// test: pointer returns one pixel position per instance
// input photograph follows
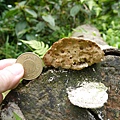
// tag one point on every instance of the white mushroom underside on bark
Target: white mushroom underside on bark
(88, 95)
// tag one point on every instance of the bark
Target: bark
(45, 98)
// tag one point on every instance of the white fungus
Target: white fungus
(88, 95)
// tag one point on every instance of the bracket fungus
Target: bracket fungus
(77, 53)
(88, 95)
(73, 53)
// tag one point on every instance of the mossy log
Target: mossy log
(45, 98)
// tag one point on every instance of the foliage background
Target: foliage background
(34, 25)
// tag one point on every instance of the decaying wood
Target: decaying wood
(89, 32)
(112, 51)
(45, 98)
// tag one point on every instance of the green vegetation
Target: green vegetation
(46, 21)
(37, 47)
(17, 117)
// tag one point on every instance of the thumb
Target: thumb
(10, 76)
(1, 97)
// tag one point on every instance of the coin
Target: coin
(32, 65)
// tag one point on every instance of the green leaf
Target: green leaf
(91, 3)
(82, 1)
(16, 116)
(40, 52)
(30, 36)
(40, 47)
(54, 27)
(33, 43)
(22, 3)
(97, 10)
(74, 11)
(20, 29)
(104, 36)
(40, 26)
(49, 19)
(12, 12)
(21, 33)
(31, 12)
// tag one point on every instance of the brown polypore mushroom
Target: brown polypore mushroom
(73, 53)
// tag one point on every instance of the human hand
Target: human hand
(10, 75)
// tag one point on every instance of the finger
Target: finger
(6, 62)
(10, 76)
(1, 97)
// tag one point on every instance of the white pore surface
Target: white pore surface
(88, 95)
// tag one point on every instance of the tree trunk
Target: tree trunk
(45, 98)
